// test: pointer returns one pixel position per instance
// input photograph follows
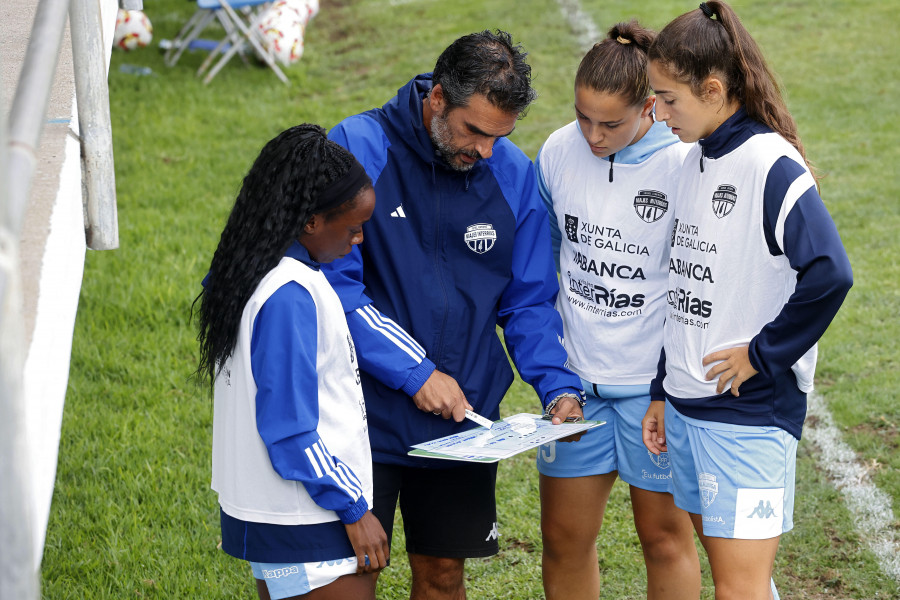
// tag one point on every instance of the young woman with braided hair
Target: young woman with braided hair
(613, 170)
(291, 458)
(758, 273)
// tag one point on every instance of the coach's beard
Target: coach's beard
(442, 140)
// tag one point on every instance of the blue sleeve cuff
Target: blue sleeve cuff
(354, 513)
(657, 391)
(418, 377)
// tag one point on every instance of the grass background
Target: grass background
(132, 513)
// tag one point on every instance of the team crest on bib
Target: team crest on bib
(650, 205)
(709, 488)
(723, 200)
(480, 237)
(572, 228)
(661, 460)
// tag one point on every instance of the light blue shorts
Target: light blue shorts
(739, 478)
(616, 446)
(285, 580)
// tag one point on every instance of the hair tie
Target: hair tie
(706, 10)
(343, 188)
(622, 40)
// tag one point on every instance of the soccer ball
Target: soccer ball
(306, 9)
(312, 7)
(281, 30)
(133, 30)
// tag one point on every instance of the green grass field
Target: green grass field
(133, 515)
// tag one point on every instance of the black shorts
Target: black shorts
(447, 513)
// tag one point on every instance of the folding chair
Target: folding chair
(188, 37)
(240, 30)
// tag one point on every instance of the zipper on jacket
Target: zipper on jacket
(439, 347)
(701, 159)
(612, 159)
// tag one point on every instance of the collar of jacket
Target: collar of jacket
(736, 130)
(298, 251)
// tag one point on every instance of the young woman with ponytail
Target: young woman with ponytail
(608, 180)
(758, 274)
(291, 458)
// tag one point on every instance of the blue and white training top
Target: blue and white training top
(756, 260)
(290, 444)
(614, 259)
(447, 257)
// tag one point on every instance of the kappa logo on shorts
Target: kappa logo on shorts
(279, 573)
(480, 237)
(709, 488)
(661, 460)
(650, 205)
(763, 511)
(324, 564)
(723, 200)
(493, 534)
(757, 513)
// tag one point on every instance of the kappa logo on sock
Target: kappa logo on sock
(493, 534)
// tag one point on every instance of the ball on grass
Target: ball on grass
(133, 30)
(281, 28)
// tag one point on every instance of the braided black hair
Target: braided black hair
(278, 196)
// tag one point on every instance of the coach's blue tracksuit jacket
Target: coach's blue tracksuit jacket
(447, 257)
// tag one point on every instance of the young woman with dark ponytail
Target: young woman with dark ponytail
(291, 458)
(758, 273)
(609, 180)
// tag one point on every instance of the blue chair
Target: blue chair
(238, 18)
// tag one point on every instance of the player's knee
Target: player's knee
(662, 546)
(567, 543)
(439, 577)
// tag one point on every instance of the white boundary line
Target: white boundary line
(582, 24)
(868, 505)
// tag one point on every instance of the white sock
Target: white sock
(775, 595)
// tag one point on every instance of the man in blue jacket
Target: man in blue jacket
(459, 243)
